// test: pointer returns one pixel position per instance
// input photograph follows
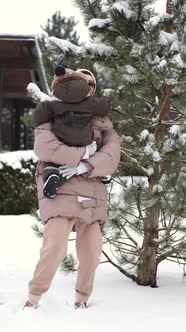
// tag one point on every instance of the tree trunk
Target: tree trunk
(147, 264)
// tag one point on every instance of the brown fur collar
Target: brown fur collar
(57, 79)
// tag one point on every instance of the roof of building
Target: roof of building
(20, 64)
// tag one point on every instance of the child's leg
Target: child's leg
(52, 179)
(49, 169)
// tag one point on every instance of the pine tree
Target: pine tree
(60, 27)
(144, 57)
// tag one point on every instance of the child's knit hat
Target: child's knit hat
(62, 72)
(86, 71)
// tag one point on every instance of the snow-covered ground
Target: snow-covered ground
(117, 304)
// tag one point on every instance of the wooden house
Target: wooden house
(20, 64)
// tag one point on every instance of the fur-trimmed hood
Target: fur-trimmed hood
(71, 87)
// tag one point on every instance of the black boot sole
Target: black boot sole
(51, 186)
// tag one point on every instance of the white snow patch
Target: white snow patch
(96, 48)
(152, 60)
(127, 139)
(155, 20)
(157, 188)
(157, 100)
(177, 60)
(174, 130)
(65, 45)
(13, 159)
(108, 307)
(148, 150)
(36, 93)
(167, 38)
(156, 156)
(150, 171)
(131, 74)
(100, 48)
(123, 7)
(144, 135)
(175, 46)
(98, 22)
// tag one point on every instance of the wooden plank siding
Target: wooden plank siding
(20, 64)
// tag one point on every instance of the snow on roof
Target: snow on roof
(17, 36)
(41, 68)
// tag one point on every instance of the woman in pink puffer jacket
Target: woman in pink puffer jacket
(81, 202)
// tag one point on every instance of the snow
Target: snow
(155, 20)
(127, 139)
(98, 22)
(156, 156)
(39, 96)
(123, 8)
(65, 45)
(167, 38)
(100, 49)
(36, 93)
(152, 60)
(171, 81)
(148, 149)
(136, 50)
(157, 188)
(175, 46)
(144, 135)
(157, 100)
(116, 303)
(13, 159)
(174, 130)
(131, 74)
(150, 171)
(42, 66)
(177, 60)
(96, 48)
(92, 1)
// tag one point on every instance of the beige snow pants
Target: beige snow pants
(53, 251)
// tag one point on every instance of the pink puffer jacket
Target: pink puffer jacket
(48, 148)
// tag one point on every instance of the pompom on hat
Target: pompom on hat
(62, 70)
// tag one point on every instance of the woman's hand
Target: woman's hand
(68, 171)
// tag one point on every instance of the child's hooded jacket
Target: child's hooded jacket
(72, 110)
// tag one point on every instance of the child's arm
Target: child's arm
(47, 147)
(101, 106)
(41, 114)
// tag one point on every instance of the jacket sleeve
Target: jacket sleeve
(101, 106)
(41, 114)
(106, 160)
(49, 149)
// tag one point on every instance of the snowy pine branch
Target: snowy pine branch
(36, 93)
(135, 163)
(88, 49)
